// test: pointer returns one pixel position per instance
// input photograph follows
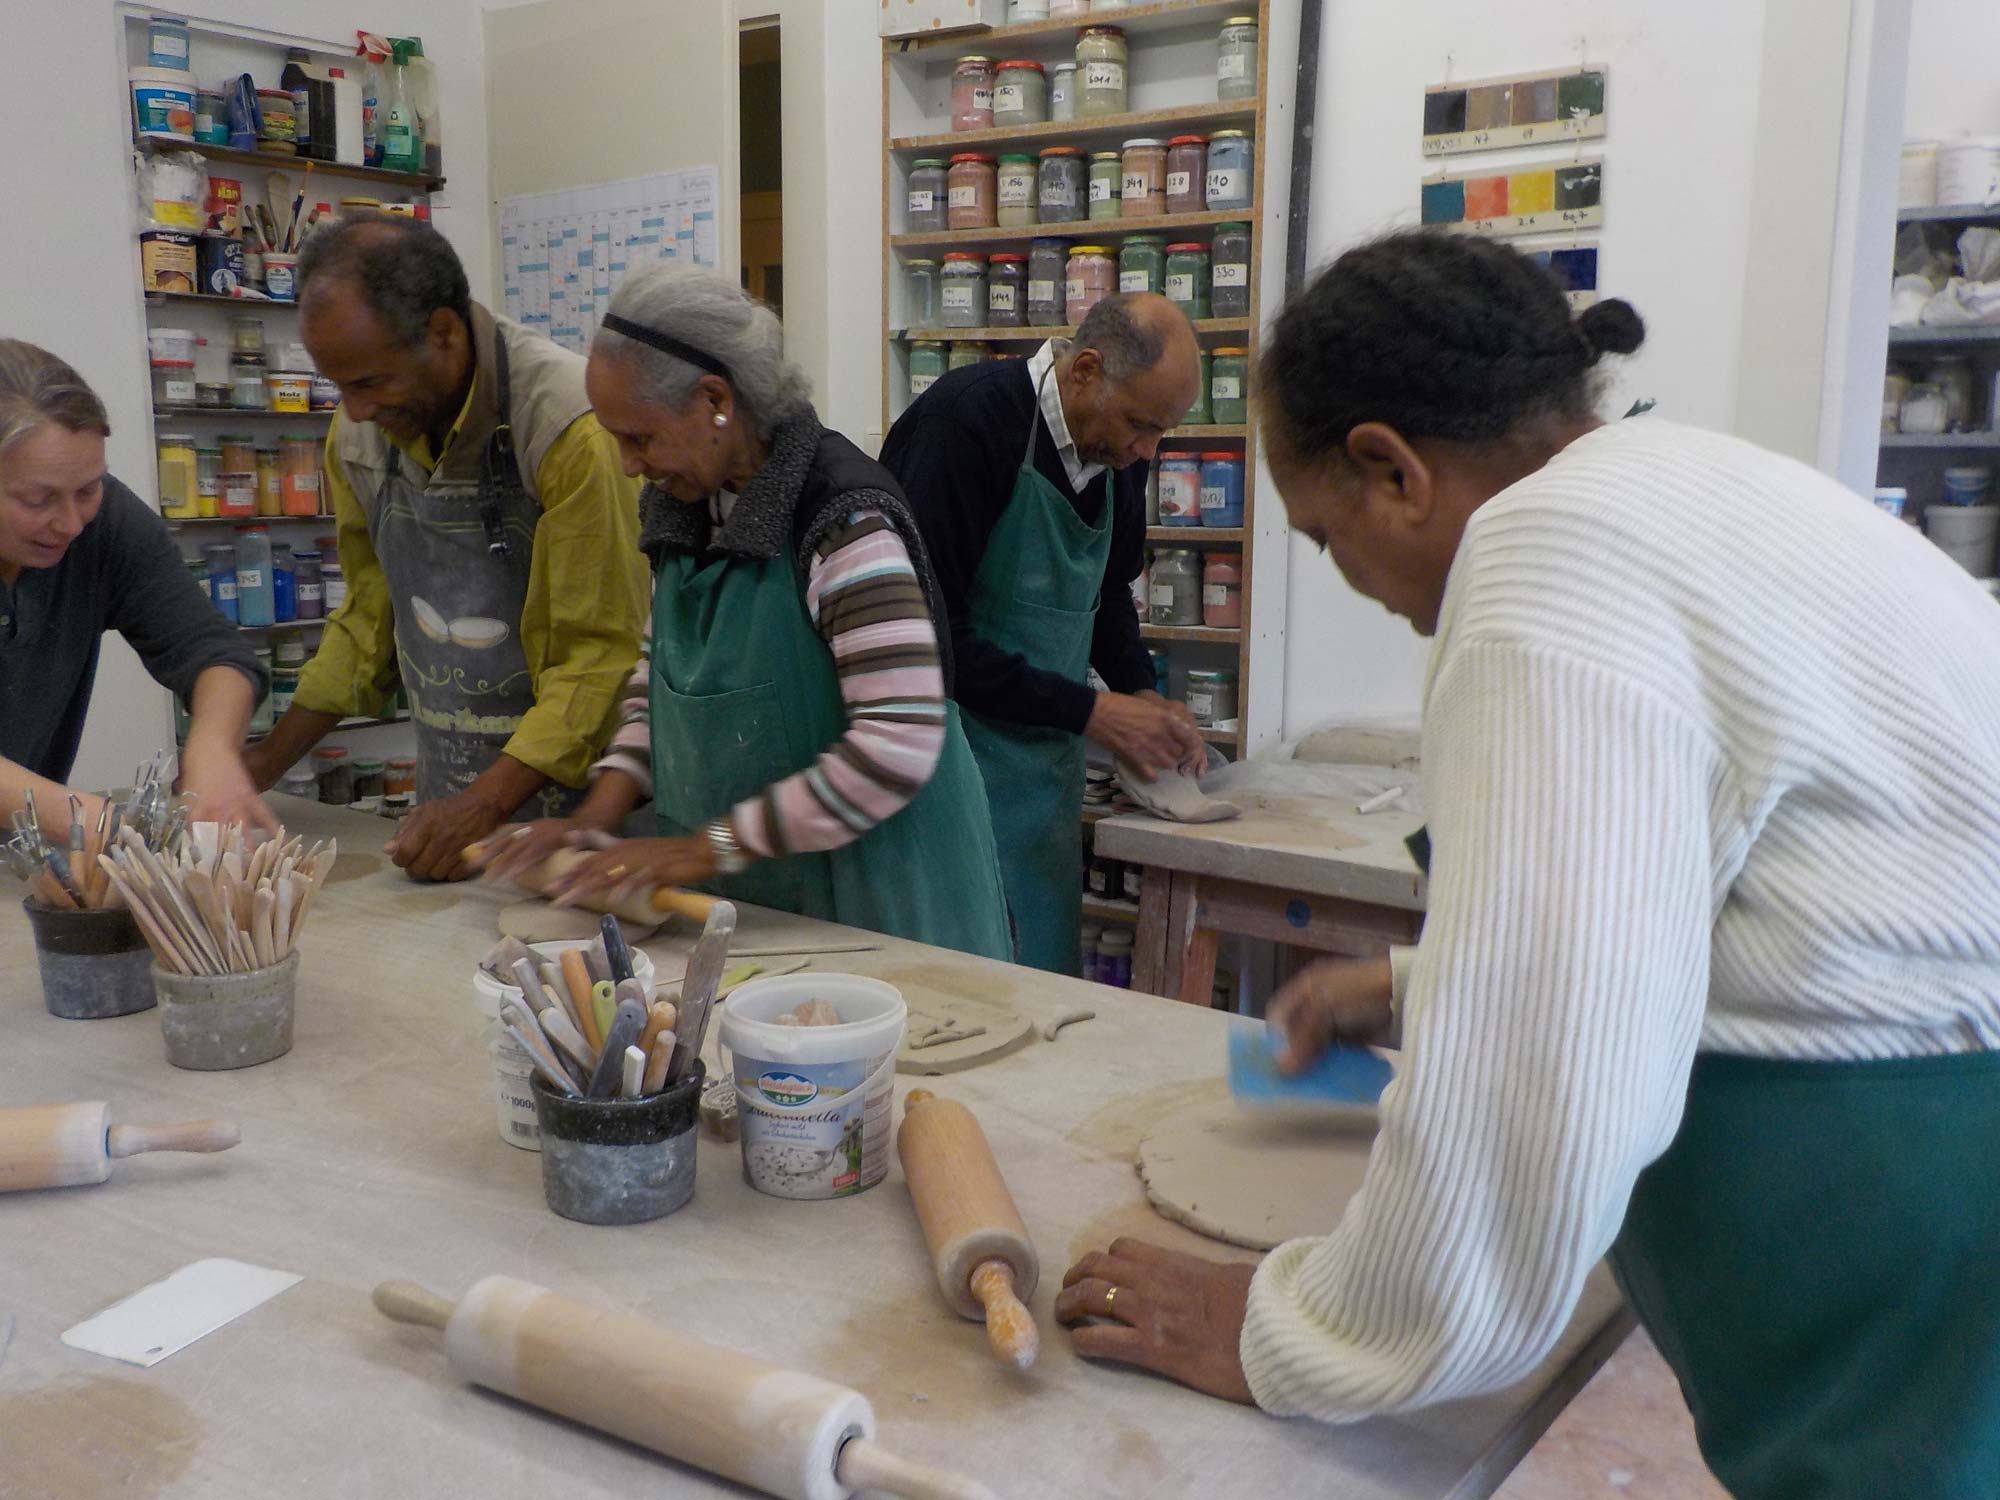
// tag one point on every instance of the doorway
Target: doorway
(760, 163)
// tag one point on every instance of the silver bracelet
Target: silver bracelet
(730, 858)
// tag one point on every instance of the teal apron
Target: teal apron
(744, 695)
(1817, 1255)
(1036, 594)
(456, 557)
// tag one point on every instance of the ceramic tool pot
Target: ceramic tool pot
(94, 963)
(619, 1161)
(214, 1022)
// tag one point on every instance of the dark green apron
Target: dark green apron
(1036, 594)
(745, 694)
(1817, 1255)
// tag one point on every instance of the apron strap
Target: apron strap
(499, 468)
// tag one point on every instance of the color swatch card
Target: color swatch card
(1527, 200)
(1530, 110)
(1574, 266)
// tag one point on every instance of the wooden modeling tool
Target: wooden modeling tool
(986, 1264)
(786, 1434)
(63, 1145)
(576, 975)
(704, 973)
(640, 908)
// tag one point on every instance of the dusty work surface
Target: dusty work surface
(371, 1152)
(1314, 845)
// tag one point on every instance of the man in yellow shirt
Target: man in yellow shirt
(488, 534)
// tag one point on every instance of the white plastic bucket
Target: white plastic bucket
(171, 345)
(513, 1103)
(814, 1101)
(163, 103)
(1968, 171)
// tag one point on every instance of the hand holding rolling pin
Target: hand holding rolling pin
(630, 865)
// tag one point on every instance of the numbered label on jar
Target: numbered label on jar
(999, 299)
(1180, 287)
(1179, 184)
(1232, 273)
(1073, 290)
(249, 578)
(1010, 97)
(1043, 292)
(1225, 388)
(1179, 495)
(958, 299)
(1136, 184)
(1214, 497)
(1163, 596)
(1132, 281)
(1104, 75)
(1226, 184)
(1017, 190)
(1201, 705)
(921, 383)
(922, 200)
(1215, 595)
(982, 99)
(965, 195)
(1100, 190)
(1233, 65)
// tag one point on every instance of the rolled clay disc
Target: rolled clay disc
(1254, 1180)
(539, 922)
(1005, 1029)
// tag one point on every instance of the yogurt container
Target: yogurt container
(814, 1101)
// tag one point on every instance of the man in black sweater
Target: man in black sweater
(1028, 479)
(81, 554)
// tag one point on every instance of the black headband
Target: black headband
(666, 344)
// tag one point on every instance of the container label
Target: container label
(958, 299)
(1179, 495)
(336, 594)
(962, 195)
(178, 392)
(1136, 184)
(306, 483)
(1201, 705)
(309, 593)
(1214, 497)
(814, 1130)
(1227, 184)
(224, 587)
(1179, 184)
(1073, 290)
(1225, 388)
(1058, 97)
(1104, 75)
(1001, 299)
(921, 383)
(1132, 281)
(1180, 287)
(921, 200)
(1215, 595)
(1163, 596)
(982, 98)
(1232, 65)
(1010, 97)
(1042, 292)
(1058, 193)
(1017, 189)
(249, 578)
(1100, 190)
(1232, 273)
(169, 44)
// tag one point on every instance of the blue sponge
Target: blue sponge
(1344, 1077)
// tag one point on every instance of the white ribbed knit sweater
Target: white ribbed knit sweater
(1712, 759)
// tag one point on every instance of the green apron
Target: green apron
(1036, 594)
(1817, 1255)
(745, 694)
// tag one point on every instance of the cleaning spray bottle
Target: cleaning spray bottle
(402, 133)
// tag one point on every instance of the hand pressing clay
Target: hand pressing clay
(539, 922)
(1175, 796)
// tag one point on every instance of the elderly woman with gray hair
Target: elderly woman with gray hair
(81, 554)
(792, 722)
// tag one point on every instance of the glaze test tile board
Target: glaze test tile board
(1524, 200)
(1573, 263)
(563, 254)
(1532, 109)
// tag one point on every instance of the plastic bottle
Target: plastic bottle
(373, 52)
(254, 596)
(420, 79)
(349, 148)
(402, 133)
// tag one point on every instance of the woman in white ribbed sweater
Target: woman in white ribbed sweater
(1710, 979)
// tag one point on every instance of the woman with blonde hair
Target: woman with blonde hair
(81, 554)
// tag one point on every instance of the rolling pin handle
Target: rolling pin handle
(864, 1466)
(195, 1135)
(690, 904)
(1010, 1327)
(406, 1302)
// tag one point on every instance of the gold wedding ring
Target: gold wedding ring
(1107, 1298)
(618, 872)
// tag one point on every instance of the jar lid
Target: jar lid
(974, 57)
(918, 260)
(258, 527)
(1242, 224)
(1062, 151)
(1223, 560)
(970, 156)
(236, 437)
(1043, 243)
(1010, 257)
(1240, 21)
(1115, 937)
(1145, 239)
(1229, 349)
(1016, 156)
(928, 161)
(1228, 456)
(173, 364)
(1104, 156)
(1174, 554)
(963, 255)
(305, 555)
(1021, 62)
(1187, 245)
(1067, 64)
(301, 437)
(1188, 140)
(208, 450)
(1117, 31)
(1231, 134)
(919, 343)
(177, 439)
(1220, 676)
(1144, 141)
(403, 762)
(330, 752)
(1089, 249)
(368, 765)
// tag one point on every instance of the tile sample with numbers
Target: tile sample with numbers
(166, 1317)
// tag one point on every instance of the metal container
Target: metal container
(619, 1161)
(94, 963)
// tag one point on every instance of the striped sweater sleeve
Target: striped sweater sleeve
(631, 747)
(865, 599)
(1551, 1022)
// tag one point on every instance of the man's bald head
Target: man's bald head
(1130, 374)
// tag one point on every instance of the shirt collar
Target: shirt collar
(1041, 366)
(420, 453)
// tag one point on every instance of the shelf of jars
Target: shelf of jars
(1085, 228)
(1134, 20)
(1085, 131)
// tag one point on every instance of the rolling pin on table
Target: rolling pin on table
(71, 1145)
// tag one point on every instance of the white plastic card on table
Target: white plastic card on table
(166, 1317)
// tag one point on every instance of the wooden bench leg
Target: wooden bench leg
(1196, 947)
(1152, 942)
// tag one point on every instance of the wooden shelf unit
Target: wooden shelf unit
(1137, 20)
(239, 413)
(273, 161)
(1094, 130)
(1001, 236)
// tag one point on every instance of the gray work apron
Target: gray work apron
(456, 559)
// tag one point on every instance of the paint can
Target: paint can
(219, 259)
(814, 1100)
(94, 963)
(211, 117)
(218, 1022)
(281, 276)
(167, 260)
(289, 392)
(167, 43)
(1968, 170)
(1966, 534)
(619, 1161)
(163, 103)
(513, 1101)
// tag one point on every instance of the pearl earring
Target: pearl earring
(721, 420)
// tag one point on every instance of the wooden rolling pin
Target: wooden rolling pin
(986, 1264)
(645, 907)
(62, 1145)
(790, 1435)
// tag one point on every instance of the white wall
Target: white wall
(72, 281)
(1953, 70)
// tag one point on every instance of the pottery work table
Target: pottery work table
(370, 1153)
(1307, 872)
